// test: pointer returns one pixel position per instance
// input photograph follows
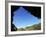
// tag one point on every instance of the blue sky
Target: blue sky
(23, 18)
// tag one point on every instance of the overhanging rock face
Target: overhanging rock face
(36, 11)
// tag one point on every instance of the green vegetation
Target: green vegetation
(33, 27)
(21, 29)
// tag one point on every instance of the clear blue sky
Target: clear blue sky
(23, 18)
